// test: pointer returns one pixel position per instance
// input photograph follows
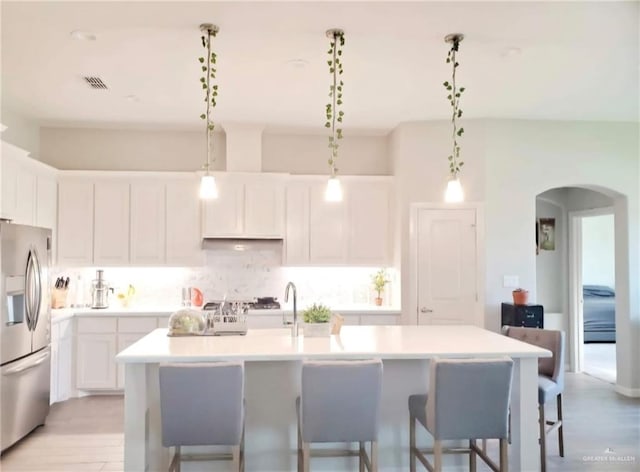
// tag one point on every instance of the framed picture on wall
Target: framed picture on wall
(547, 234)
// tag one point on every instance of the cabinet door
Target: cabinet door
(124, 341)
(46, 201)
(297, 225)
(224, 215)
(111, 237)
(65, 365)
(9, 200)
(379, 320)
(53, 394)
(369, 223)
(183, 223)
(327, 232)
(75, 223)
(26, 197)
(96, 365)
(264, 208)
(147, 223)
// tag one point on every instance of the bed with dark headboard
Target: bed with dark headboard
(599, 314)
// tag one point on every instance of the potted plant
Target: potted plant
(317, 321)
(379, 281)
(520, 296)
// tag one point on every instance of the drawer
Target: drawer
(97, 325)
(136, 325)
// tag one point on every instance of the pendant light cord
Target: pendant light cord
(208, 59)
(455, 152)
(334, 94)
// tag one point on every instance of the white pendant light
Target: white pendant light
(334, 114)
(454, 192)
(333, 192)
(208, 187)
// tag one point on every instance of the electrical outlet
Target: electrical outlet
(511, 281)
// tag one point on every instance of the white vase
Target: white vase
(316, 330)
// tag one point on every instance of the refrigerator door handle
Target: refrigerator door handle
(34, 363)
(28, 287)
(37, 289)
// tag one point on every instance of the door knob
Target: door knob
(426, 310)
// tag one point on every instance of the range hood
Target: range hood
(242, 244)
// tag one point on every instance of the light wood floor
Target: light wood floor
(602, 429)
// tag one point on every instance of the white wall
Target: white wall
(510, 162)
(171, 150)
(308, 154)
(21, 132)
(551, 273)
(598, 250)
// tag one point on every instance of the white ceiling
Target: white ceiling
(578, 61)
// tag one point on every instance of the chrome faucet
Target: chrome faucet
(294, 327)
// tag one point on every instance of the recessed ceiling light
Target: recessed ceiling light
(511, 52)
(297, 63)
(83, 35)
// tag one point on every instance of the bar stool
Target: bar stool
(550, 380)
(340, 402)
(468, 399)
(203, 405)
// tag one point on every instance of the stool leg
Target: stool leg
(504, 459)
(437, 456)
(300, 466)
(374, 456)
(305, 457)
(412, 444)
(543, 440)
(242, 451)
(560, 435)
(472, 454)
(361, 453)
(235, 458)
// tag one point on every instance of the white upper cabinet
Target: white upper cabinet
(147, 222)
(183, 236)
(369, 216)
(296, 240)
(46, 201)
(75, 222)
(223, 216)
(356, 231)
(248, 206)
(327, 228)
(26, 196)
(28, 189)
(111, 237)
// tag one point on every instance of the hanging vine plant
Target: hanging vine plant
(334, 112)
(208, 65)
(454, 94)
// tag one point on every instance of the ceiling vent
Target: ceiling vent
(96, 83)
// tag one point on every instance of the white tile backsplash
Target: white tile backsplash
(238, 275)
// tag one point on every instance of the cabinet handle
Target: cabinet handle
(426, 310)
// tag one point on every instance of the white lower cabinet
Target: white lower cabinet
(124, 341)
(95, 361)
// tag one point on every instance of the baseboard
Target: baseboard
(628, 392)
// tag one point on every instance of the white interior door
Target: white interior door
(447, 266)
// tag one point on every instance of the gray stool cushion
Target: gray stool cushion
(547, 389)
(468, 399)
(340, 401)
(418, 408)
(202, 404)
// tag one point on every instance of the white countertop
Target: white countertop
(65, 313)
(386, 342)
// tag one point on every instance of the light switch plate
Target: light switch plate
(511, 281)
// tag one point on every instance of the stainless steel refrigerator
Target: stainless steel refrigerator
(25, 330)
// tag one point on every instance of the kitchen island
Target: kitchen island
(272, 369)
